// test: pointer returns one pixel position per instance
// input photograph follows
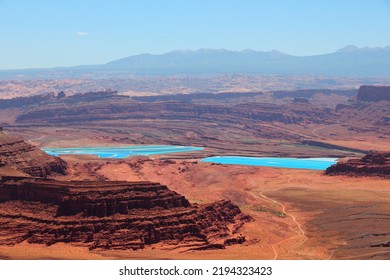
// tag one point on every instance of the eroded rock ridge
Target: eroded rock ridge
(112, 215)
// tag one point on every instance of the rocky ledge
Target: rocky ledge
(372, 164)
(112, 215)
(16, 153)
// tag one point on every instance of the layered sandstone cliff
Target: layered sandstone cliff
(115, 109)
(112, 215)
(16, 153)
(373, 164)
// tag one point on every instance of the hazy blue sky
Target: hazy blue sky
(35, 33)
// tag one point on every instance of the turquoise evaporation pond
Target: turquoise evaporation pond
(122, 151)
(300, 163)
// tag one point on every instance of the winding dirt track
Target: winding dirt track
(300, 233)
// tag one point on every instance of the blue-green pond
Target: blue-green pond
(300, 163)
(121, 151)
(140, 150)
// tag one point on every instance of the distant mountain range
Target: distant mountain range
(348, 61)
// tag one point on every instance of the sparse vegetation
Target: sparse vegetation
(267, 210)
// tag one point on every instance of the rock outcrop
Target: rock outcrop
(19, 102)
(112, 215)
(123, 108)
(52, 98)
(16, 153)
(373, 93)
(373, 164)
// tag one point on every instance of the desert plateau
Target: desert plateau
(163, 204)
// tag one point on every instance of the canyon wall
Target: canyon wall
(112, 215)
(373, 93)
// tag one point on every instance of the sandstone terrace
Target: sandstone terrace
(112, 215)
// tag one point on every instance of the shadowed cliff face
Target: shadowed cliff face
(24, 157)
(373, 93)
(112, 215)
(373, 164)
(42, 99)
